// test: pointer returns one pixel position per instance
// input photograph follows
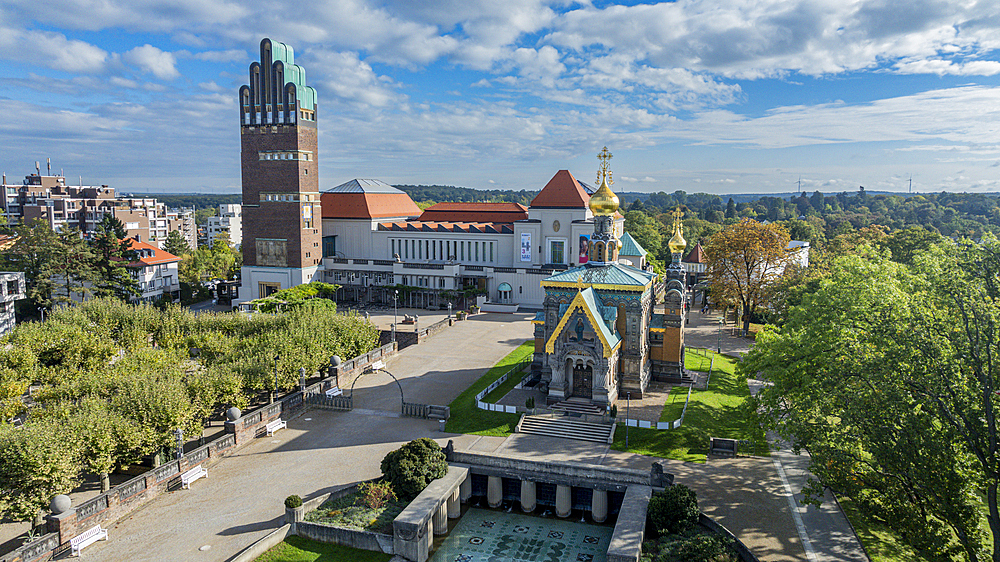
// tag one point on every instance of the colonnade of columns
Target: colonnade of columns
(564, 498)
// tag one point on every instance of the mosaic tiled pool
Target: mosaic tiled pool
(483, 535)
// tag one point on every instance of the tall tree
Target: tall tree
(887, 375)
(744, 262)
(39, 461)
(731, 209)
(176, 244)
(34, 253)
(645, 230)
(72, 267)
(113, 255)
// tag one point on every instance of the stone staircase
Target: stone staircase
(576, 405)
(566, 428)
(438, 412)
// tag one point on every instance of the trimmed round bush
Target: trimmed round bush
(673, 509)
(413, 466)
(293, 501)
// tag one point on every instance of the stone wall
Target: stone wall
(562, 473)
(365, 540)
(37, 550)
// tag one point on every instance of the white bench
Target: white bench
(335, 391)
(275, 426)
(87, 538)
(190, 476)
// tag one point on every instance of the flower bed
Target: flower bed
(350, 512)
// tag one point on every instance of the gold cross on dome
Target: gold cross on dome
(580, 285)
(605, 157)
(678, 215)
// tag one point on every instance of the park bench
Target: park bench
(275, 426)
(723, 447)
(334, 391)
(190, 476)
(87, 538)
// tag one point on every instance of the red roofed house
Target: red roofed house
(156, 271)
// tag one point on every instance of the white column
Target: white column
(441, 519)
(564, 501)
(454, 507)
(494, 491)
(466, 488)
(599, 506)
(528, 502)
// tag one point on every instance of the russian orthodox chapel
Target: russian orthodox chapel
(598, 337)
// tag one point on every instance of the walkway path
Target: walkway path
(322, 450)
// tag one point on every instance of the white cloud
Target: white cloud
(346, 77)
(52, 50)
(151, 59)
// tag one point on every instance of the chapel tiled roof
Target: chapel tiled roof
(630, 247)
(611, 274)
(562, 192)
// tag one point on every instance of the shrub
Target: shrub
(693, 545)
(529, 403)
(375, 495)
(674, 509)
(293, 501)
(411, 467)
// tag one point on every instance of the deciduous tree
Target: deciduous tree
(744, 262)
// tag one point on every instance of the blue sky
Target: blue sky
(719, 96)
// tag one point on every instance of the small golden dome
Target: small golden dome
(677, 242)
(604, 201)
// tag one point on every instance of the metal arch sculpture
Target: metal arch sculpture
(402, 400)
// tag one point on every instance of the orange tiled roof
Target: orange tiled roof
(475, 212)
(447, 226)
(367, 205)
(562, 192)
(151, 256)
(697, 255)
(7, 240)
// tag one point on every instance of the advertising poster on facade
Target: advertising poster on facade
(526, 246)
(584, 248)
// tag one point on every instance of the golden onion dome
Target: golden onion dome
(604, 201)
(677, 242)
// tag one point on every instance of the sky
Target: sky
(716, 96)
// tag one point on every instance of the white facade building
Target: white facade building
(12, 288)
(375, 239)
(229, 220)
(156, 271)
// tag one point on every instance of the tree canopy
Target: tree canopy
(886, 373)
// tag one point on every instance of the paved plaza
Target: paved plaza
(323, 450)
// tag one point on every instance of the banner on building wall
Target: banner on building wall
(584, 248)
(525, 246)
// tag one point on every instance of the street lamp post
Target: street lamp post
(719, 331)
(395, 296)
(179, 435)
(449, 311)
(302, 379)
(274, 393)
(41, 311)
(628, 404)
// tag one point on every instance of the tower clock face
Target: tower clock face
(555, 226)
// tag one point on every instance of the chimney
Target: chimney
(48, 163)
(38, 168)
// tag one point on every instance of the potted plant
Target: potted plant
(529, 403)
(294, 511)
(474, 309)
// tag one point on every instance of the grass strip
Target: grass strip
(467, 418)
(298, 549)
(880, 542)
(713, 412)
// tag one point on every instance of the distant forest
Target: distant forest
(199, 200)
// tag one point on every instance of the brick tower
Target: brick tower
(279, 164)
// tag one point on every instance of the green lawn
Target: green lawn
(713, 412)
(467, 418)
(881, 543)
(298, 549)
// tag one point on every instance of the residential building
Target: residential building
(12, 288)
(182, 220)
(230, 221)
(156, 271)
(49, 199)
